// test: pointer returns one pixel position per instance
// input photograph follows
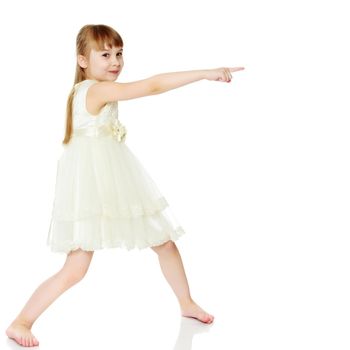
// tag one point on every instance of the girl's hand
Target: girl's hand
(221, 74)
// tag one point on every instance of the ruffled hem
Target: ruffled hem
(67, 247)
(97, 232)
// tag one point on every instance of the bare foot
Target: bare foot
(21, 334)
(191, 309)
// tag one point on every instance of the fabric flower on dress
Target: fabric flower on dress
(119, 130)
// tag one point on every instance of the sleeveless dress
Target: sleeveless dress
(104, 197)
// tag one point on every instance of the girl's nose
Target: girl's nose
(116, 61)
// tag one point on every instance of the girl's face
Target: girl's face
(103, 65)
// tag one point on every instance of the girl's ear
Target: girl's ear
(82, 61)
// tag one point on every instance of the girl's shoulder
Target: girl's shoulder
(84, 83)
(80, 104)
(80, 93)
(81, 88)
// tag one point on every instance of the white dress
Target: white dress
(104, 197)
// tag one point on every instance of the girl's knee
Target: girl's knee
(73, 276)
(76, 266)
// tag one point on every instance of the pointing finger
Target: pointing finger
(235, 69)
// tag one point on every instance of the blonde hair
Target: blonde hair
(90, 36)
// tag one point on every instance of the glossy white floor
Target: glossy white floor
(293, 297)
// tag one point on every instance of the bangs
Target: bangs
(102, 37)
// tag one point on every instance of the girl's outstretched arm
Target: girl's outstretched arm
(108, 91)
(168, 81)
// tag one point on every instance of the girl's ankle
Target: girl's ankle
(185, 302)
(22, 322)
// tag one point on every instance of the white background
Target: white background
(256, 171)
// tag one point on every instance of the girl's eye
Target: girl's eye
(119, 53)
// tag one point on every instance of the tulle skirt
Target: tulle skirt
(104, 198)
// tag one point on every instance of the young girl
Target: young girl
(104, 197)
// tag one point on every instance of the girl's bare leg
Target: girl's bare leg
(174, 272)
(74, 269)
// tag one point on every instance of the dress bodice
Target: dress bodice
(106, 122)
(81, 117)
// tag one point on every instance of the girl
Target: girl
(104, 197)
